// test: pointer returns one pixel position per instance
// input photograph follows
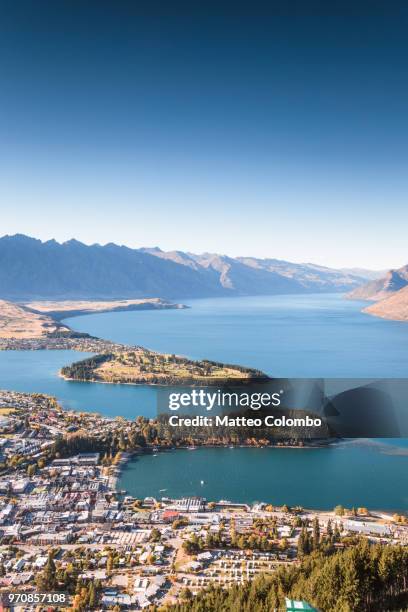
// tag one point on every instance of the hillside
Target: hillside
(390, 294)
(19, 322)
(34, 270)
(382, 288)
(394, 307)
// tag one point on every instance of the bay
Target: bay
(37, 372)
(358, 473)
(285, 336)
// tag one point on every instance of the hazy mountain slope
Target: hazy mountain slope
(394, 307)
(176, 256)
(364, 273)
(292, 276)
(309, 276)
(250, 275)
(243, 279)
(393, 281)
(31, 269)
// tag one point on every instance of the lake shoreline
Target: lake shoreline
(134, 457)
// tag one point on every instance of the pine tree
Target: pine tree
(316, 533)
(329, 530)
(46, 581)
(301, 547)
(91, 595)
(336, 533)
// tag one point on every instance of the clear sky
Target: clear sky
(208, 126)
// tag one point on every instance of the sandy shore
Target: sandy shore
(72, 308)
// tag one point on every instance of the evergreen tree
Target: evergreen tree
(91, 595)
(336, 533)
(361, 578)
(329, 530)
(46, 580)
(316, 533)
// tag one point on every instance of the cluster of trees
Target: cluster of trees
(196, 544)
(310, 541)
(68, 333)
(400, 518)
(193, 545)
(242, 541)
(253, 542)
(68, 446)
(361, 578)
(216, 434)
(86, 593)
(84, 369)
(131, 436)
(86, 596)
(17, 462)
(137, 436)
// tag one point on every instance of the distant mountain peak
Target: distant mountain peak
(21, 238)
(73, 242)
(381, 288)
(154, 248)
(32, 269)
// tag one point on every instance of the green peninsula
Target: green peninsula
(137, 365)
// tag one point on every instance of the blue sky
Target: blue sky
(275, 132)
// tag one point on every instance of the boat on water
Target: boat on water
(191, 448)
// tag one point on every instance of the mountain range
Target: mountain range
(32, 269)
(389, 294)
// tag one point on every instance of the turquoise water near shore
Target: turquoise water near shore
(357, 473)
(285, 336)
(37, 372)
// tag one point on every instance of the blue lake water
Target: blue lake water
(285, 336)
(358, 473)
(37, 372)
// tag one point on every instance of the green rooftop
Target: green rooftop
(295, 606)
